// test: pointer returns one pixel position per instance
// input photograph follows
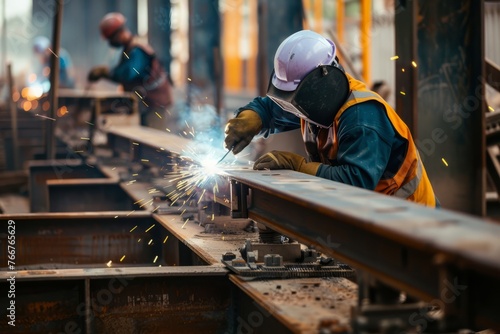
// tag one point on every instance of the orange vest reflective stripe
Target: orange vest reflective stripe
(410, 181)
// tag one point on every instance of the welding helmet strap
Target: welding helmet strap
(317, 98)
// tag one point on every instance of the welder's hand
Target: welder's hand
(241, 130)
(97, 73)
(286, 160)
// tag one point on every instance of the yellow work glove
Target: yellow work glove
(286, 160)
(97, 73)
(241, 130)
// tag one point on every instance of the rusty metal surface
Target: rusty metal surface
(79, 240)
(301, 305)
(209, 247)
(126, 300)
(406, 245)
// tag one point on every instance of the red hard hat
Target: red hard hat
(111, 23)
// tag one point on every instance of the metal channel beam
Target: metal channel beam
(423, 251)
(120, 300)
(92, 240)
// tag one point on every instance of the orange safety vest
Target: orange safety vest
(410, 181)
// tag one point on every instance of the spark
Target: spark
(136, 71)
(90, 166)
(394, 57)
(189, 79)
(156, 258)
(403, 69)
(134, 143)
(201, 196)
(42, 116)
(53, 52)
(138, 94)
(168, 129)
(166, 238)
(89, 123)
(135, 174)
(139, 240)
(213, 216)
(133, 228)
(81, 151)
(491, 108)
(150, 242)
(150, 228)
(185, 223)
(126, 55)
(84, 138)
(402, 93)
(145, 203)
(156, 208)
(414, 64)
(113, 168)
(444, 161)
(131, 212)
(143, 102)
(116, 216)
(157, 114)
(109, 263)
(123, 258)
(145, 160)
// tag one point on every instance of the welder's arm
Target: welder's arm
(365, 139)
(241, 130)
(133, 68)
(259, 117)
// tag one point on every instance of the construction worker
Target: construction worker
(138, 71)
(350, 133)
(42, 50)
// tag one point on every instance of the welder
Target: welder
(139, 70)
(42, 50)
(350, 133)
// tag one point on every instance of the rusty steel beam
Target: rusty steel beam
(91, 240)
(120, 300)
(419, 250)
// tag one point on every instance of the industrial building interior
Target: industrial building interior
(111, 223)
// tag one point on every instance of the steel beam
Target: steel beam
(120, 300)
(420, 250)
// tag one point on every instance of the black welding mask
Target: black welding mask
(317, 98)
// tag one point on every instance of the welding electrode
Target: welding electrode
(225, 155)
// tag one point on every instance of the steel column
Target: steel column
(451, 103)
(406, 73)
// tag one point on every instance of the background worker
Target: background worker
(42, 50)
(351, 134)
(139, 70)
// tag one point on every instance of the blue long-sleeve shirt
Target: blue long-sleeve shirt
(134, 68)
(368, 146)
